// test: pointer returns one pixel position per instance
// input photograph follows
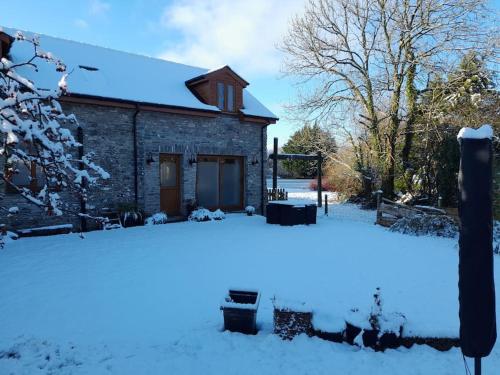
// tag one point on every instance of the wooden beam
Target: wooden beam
(275, 164)
(78, 99)
(320, 160)
(294, 157)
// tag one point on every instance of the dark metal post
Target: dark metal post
(326, 204)
(379, 202)
(477, 366)
(476, 282)
(320, 160)
(275, 165)
(440, 202)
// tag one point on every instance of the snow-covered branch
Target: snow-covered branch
(35, 137)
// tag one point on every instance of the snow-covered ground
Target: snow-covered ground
(146, 300)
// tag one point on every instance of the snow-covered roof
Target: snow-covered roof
(107, 73)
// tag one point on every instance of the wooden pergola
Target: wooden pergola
(275, 157)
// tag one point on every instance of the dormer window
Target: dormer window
(230, 98)
(225, 97)
(220, 96)
(222, 88)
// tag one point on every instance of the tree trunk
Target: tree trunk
(411, 98)
(392, 133)
(389, 170)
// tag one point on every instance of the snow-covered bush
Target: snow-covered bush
(379, 330)
(34, 135)
(250, 210)
(156, 219)
(421, 225)
(376, 311)
(218, 215)
(202, 214)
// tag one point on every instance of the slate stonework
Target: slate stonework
(108, 131)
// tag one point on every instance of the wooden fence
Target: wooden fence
(277, 195)
(388, 212)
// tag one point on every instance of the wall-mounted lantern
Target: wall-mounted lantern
(254, 161)
(192, 160)
(150, 159)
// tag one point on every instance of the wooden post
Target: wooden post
(379, 202)
(326, 204)
(320, 160)
(275, 164)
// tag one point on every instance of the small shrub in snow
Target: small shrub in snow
(218, 215)
(156, 219)
(131, 219)
(202, 214)
(250, 210)
(382, 330)
(422, 225)
(376, 312)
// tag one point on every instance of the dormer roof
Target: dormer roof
(226, 69)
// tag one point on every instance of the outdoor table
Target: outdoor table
(291, 213)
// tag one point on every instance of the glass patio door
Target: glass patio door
(219, 182)
(207, 182)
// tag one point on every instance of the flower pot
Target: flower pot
(240, 311)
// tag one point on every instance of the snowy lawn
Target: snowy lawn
(146, 300)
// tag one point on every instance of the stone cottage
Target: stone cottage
(170, 135)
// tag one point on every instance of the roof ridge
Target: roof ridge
(98, 46)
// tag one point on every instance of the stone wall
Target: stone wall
(108, 131)
(189, 136)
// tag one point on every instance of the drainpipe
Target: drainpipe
(136, 164)
(83, 205)
(262, 169)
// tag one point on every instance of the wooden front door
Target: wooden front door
(170, 184)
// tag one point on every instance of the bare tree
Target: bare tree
(371, 53)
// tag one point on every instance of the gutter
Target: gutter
(134, 104)
(136, 164)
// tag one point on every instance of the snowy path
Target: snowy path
(145, 300)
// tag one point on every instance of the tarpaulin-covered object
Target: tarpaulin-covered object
(476, 277)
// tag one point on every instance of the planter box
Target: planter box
(288, 323)
(291, 318)
(240, 311)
